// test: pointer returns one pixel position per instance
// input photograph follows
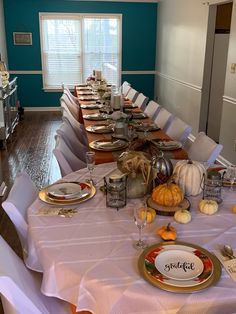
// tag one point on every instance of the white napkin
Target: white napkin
(109, 144)
(228, 264)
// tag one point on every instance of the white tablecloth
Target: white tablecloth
(88, 260)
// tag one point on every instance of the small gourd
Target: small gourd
(189, 175)
(167, 194)
(234, 209)
(167, 232)
(182, 216)
(151, 214)
(208, 207)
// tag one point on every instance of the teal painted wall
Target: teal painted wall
(138, 42)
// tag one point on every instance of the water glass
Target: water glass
(90, 160)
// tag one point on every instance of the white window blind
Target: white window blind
(72, 46)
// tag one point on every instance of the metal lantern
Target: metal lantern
(212, 186)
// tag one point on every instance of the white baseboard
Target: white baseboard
(42, 108)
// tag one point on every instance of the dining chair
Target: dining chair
(178, 130)
(67, 104)
(132, 94)
(67, 160)
(163, 119)
(125, 87)
(204, 149)
(66, 131)
(141, 101)
(20, 287)
(68, 93)
(22, 194)
(78, 127)
(152, 109)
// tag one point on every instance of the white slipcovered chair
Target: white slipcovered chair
(152, 109)
(132, 94)
(178, 130)
(67, 105)
(78, 127)
(141, 101)
(22, 194)
(204, 149)
(163, 119)
(76, 146)
(125, 87)
(68, 93)
(20, 287)
(68, 162)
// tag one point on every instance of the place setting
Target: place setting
(67, 193)
(108, 145)
(101, 128)
(91, 106)
(95, 116)
(177, 266)
(167, 144)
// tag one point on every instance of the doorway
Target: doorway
(215, 68)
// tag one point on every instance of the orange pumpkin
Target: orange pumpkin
(168, 194)
(167, 232)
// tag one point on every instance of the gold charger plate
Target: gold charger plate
(43, 195)
(211, 280)
(95, 145)
(168, 210)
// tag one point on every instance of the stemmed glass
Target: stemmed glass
(146, 128)
(130, 136)
(90, 160)
(231, 175)
(140, 219)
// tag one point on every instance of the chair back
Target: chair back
(68, 162)
(163, 119)
(132, 94)
(22, 194)
(152, 109)
(141, 101)
(20, 288)
(125, 87)
(78, 127)
(204, 149)
(76, 146)
(178, 130)
(67, 104)
(71, 97)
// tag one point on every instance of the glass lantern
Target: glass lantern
(212, 186)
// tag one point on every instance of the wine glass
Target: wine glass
(140, 219)
(231, 175)
(146, 128)
(90, 160)
(130, 135)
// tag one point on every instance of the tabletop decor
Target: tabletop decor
(167, 232)
(180, 260)
(137, 166)
(213, 182)
(182, 216)
(208, 207)
(115, 187)
(189, 175)
(162, 168)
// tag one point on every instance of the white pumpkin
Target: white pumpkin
(182, 216)
(189, 176)
(208, 207)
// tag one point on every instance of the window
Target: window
(73, 45)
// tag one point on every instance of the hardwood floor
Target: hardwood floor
(30, 150)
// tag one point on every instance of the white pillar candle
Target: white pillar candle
(116, 101)
(98, 75)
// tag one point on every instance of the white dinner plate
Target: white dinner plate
(179, 264)
(67, 190)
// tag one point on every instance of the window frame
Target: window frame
(76, 16)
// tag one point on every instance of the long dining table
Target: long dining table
(102, 156)
(88, 258)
